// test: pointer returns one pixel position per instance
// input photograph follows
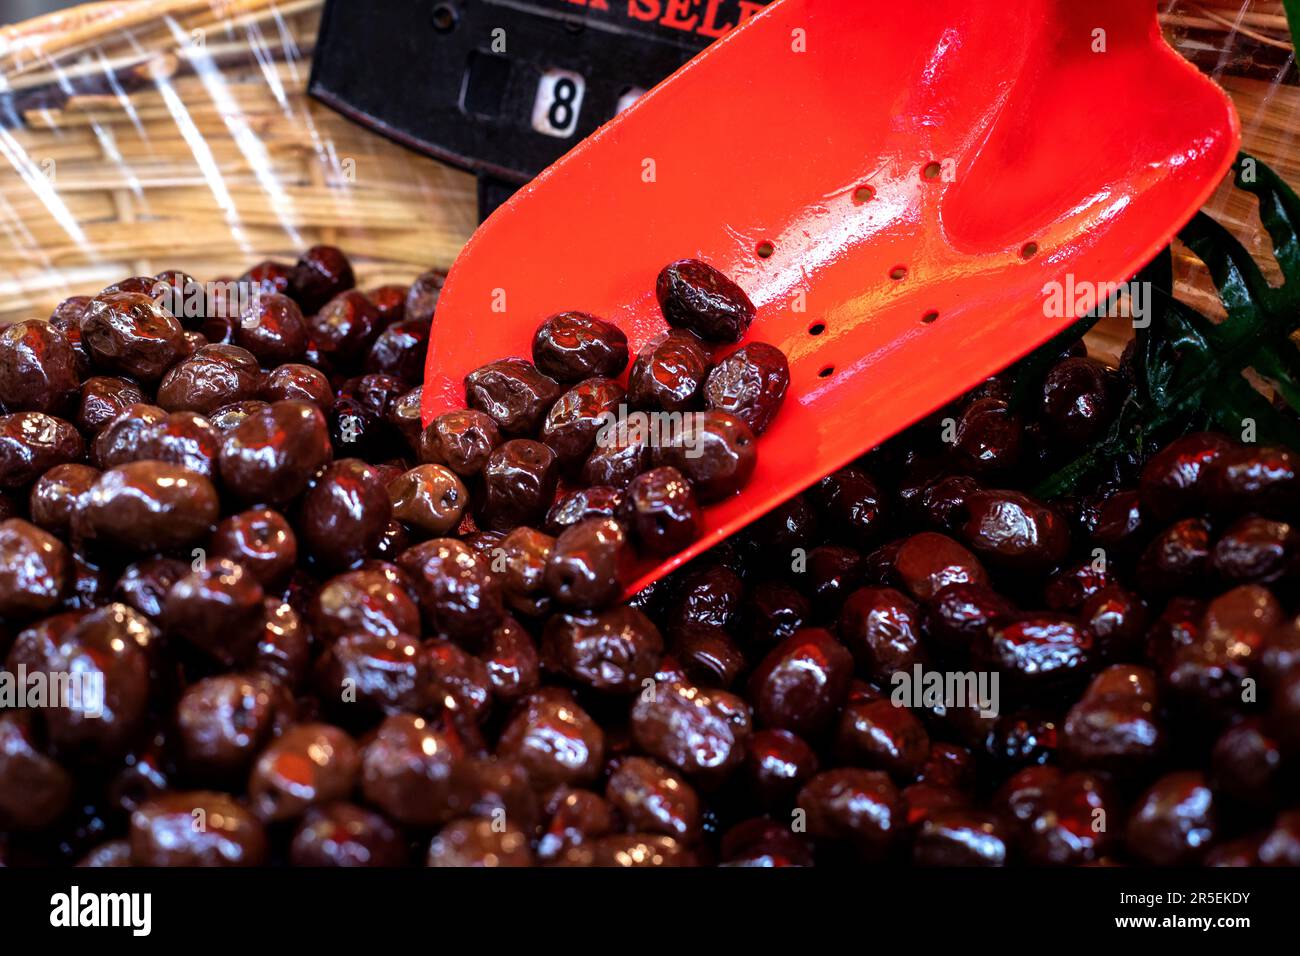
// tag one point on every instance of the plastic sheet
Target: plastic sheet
(152, 134)
(159, 134)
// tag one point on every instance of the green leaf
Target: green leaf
(1292, 8)
(1240, 283)
(1239, 402)
(1282, 369)
(1279, 210)
(1153, 358)
(1187, 370)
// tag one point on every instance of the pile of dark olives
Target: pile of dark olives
(338, 637)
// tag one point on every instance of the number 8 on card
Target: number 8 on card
(558, 102)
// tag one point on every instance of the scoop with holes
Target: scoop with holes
(893, 185)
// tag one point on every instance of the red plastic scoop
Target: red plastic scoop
(893, 184)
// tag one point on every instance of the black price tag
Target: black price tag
(504, 87)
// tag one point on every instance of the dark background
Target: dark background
(11, 11)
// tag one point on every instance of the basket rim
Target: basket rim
(33, 32)
(40, 41)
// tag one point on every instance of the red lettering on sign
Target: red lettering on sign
(748, 11)
(674, 15)
(594, 4)
(711, 27)
(704, 17)
(643, 9)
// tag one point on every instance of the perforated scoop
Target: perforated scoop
(896, 186)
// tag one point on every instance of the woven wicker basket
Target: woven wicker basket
(152, 134)
(158, 134)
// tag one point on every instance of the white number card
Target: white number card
(558, 103)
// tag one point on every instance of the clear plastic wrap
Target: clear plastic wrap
(1246, 47)
(150, 134)
(155, 134)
